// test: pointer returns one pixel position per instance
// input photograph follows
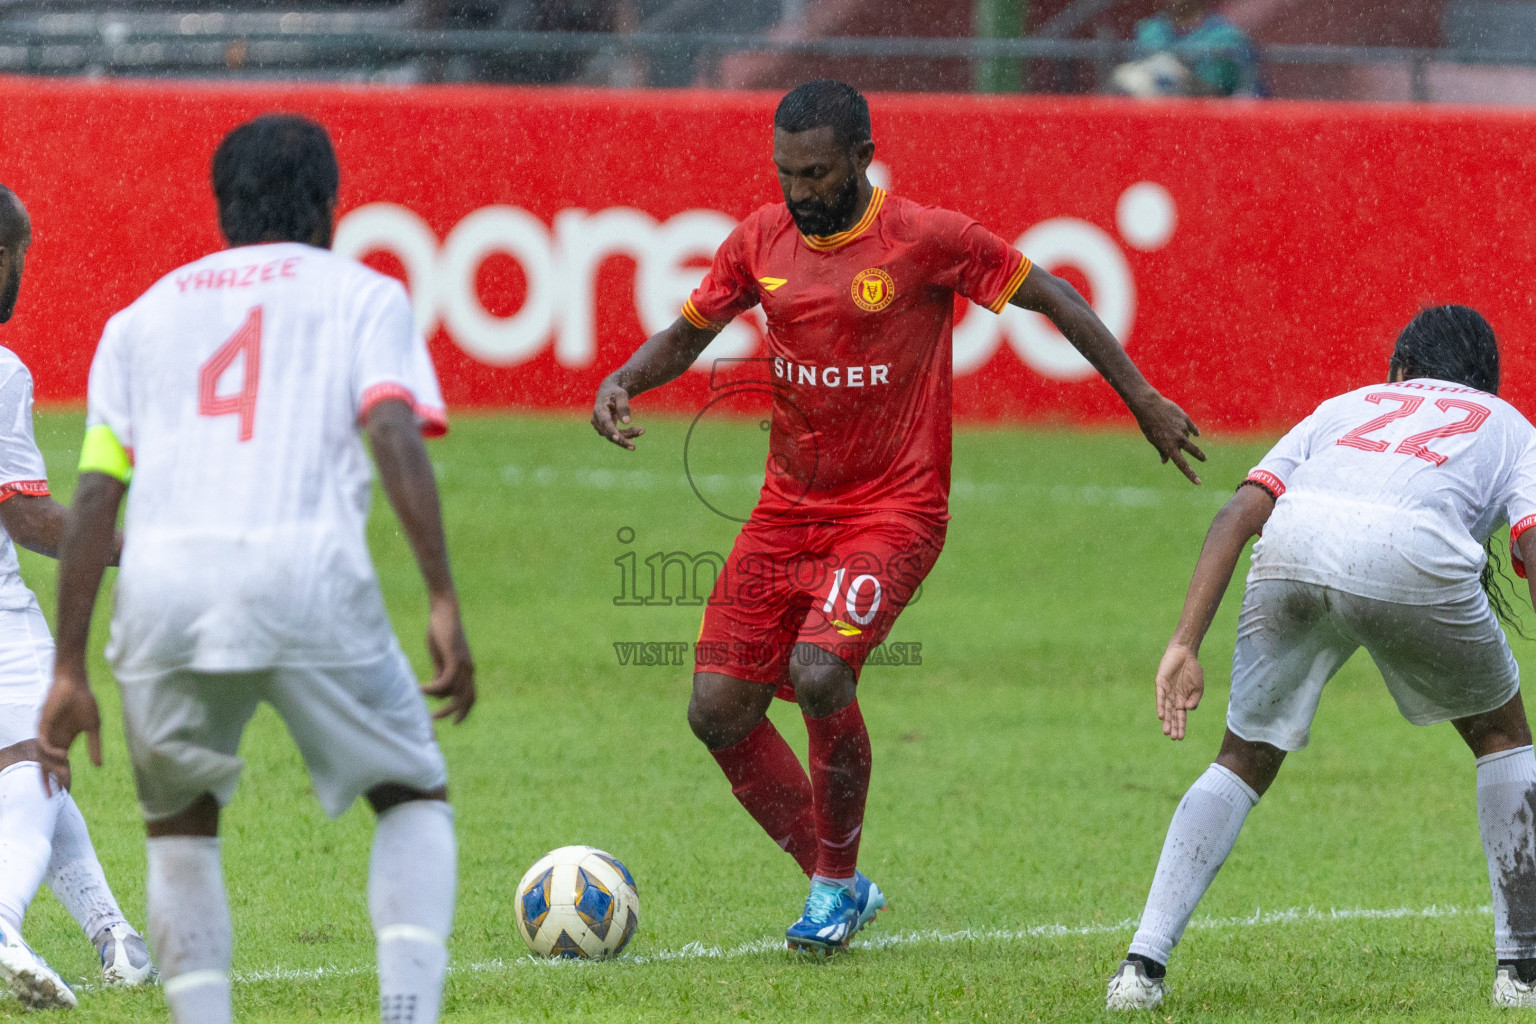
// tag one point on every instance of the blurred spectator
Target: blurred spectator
(1161, 74)
(1189, 49)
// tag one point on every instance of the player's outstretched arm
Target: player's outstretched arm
(663, 358)
(1180, 680)
(1165, 425)
(89, 544)
(406, 473)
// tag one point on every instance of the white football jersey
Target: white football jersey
(1391, 491)
(238, 385)
(21, 469)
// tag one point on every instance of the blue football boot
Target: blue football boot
(868, 898)
(831, 918)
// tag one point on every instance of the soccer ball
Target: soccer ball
(577, 902)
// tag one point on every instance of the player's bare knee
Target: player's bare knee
(1494, 741)
(699, 719)
(723, 711)
(392, 794)
(1504, 728)
(824, 683)
(1256, 764)
(201, 818)
(718, 727)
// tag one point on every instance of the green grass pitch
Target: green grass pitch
(1021, 784)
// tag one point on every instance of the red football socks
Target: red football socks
(768, 780)
(840, 760)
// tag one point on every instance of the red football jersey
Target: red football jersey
(859, 327)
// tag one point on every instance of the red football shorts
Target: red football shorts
(836, 586)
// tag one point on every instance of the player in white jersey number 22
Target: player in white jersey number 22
(43, 837)
(226, 403)
(1374, 511)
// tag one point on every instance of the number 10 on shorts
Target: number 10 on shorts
(854, 597)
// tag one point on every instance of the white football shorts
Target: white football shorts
(1440, 661)
(357, 726)
(26, 671)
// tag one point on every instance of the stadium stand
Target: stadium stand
(1456, 50)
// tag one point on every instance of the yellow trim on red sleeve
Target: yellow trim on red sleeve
(1012, 287)
(825, 243)
(692, 315)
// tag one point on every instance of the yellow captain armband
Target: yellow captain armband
(102, 452)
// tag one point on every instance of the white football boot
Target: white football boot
(1131, 989)
(1509, 990)
(125, 958)
(31, 980)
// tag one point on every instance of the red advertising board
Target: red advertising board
(1254, 257)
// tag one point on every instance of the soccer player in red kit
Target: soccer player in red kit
(858, 286)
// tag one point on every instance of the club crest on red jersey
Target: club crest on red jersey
(873, 289)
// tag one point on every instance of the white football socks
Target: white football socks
(189, 927)
(1202, 833)
(412, 882)
(1506, 817)
(27, 818)
(75, 875)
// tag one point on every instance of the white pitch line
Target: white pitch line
(932, 937)
(1292, 915)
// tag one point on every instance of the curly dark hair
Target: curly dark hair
(276, 180)
(1451, 343)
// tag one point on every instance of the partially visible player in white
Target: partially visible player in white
(43, 837)
(1375, 512)
(228, 404)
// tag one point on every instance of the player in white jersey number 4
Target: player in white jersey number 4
(231, 395)
(1375, 512)
(43, 837)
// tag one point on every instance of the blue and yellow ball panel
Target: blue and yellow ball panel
(594, 903)
(567, 948)
(536, 903)
(614, 863)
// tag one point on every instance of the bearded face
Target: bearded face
(827, 217)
